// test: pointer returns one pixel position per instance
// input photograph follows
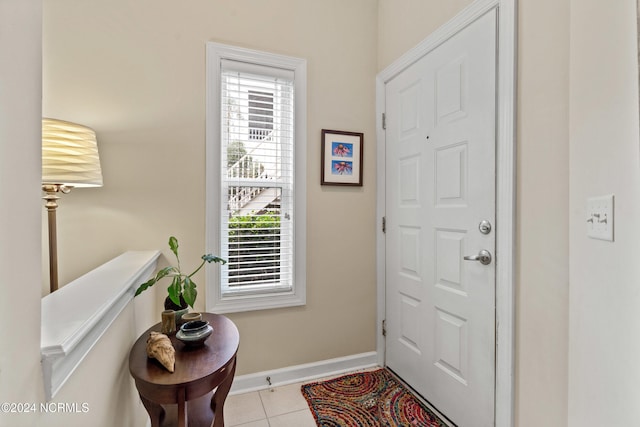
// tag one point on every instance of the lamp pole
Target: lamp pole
(51, 199)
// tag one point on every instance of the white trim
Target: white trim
(506, 214)
(381, 179)
(78, 314)
(303, 373)
(215, 301)
(505, 187)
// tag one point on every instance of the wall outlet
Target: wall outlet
(600, 217)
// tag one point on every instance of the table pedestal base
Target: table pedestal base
(199, 413)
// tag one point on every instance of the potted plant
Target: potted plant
(182, 291)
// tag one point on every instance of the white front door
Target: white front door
(440, 186)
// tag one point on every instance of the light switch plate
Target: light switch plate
(600, 217)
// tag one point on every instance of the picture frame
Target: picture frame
(341, 158)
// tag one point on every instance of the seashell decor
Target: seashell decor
(159, 347)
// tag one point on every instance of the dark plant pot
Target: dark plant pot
(170, 305)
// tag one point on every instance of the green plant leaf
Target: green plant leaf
(149, 283)
(175, 289)
(213, 258)
(165, 272)
(181, 284)
(189, 293)
(146, 285)
(173, 245)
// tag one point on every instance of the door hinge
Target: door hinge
(384, 224)
(384, 121)
(384, 328)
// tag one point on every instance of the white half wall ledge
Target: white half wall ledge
(78, 314)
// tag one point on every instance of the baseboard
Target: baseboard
(302, 373)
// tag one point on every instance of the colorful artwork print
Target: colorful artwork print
(341, 158)
(341, 167)
(342, 149)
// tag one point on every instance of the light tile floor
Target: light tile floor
(283, 406)
(277, 407)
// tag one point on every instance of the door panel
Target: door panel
(440, 184)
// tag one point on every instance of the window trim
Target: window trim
(259, 300)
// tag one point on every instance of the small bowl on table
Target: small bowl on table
(192, 315)
(194, 333)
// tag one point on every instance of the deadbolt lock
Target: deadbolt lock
(484, 227)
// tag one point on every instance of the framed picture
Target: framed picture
(341, 158)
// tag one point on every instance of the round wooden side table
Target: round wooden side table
(186, 397)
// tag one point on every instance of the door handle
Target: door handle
(483, 257)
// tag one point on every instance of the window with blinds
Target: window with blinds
(256, 200)
(257, 177)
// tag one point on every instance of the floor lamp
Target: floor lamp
(69, 159)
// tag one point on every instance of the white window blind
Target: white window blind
(257, 178)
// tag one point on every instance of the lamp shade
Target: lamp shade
(69, 154)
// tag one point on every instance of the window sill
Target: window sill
(78, 314)
(254, 301)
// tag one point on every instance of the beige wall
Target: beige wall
(542, 239)
(402, 24)
(20, 152)
(605, 300)
(135, 72)
(542, 282)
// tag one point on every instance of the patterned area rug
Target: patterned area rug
(367, 399)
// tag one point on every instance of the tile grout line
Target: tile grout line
(264, 409)
(288, 412)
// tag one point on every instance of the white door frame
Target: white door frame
(505, 187)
